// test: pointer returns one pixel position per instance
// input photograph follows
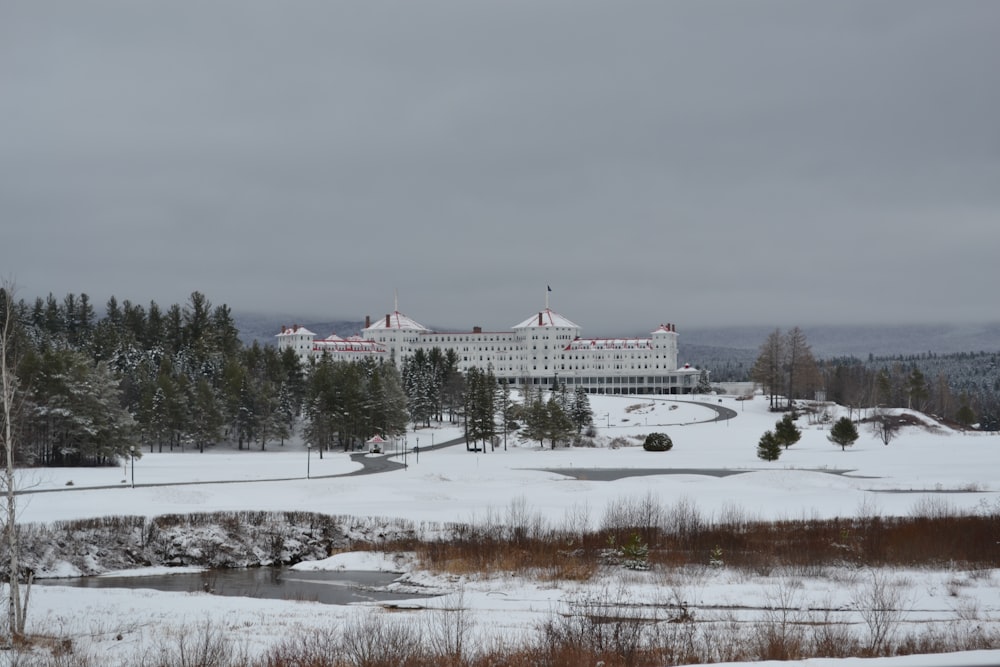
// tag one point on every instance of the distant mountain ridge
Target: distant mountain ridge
(826, 341)
(861, 340)
(263, 328)
(730, 352)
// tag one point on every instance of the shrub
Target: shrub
(635, 553)
(658, 442)
(619, 442)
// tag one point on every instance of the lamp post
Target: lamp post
(131, 451)
(309, 449)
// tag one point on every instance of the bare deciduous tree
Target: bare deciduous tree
(786, 365)
(802, 372)
(884, 425)
(882, 605)
(767, 369)
(17, 606)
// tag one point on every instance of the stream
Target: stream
(334, 587)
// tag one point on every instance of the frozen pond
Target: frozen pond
(341, 587)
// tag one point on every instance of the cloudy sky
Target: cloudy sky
(696, 162)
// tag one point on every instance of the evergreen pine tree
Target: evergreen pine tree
(843, 433)
(480, 406)
(84, 322)
(768, 448)
(559, 427)
(965, 416)
(154, 327)
(580, 411)
(786, 432)
(916, 390)
(70, 313)
(206, 419)
(704, 384)
(535, 415)
(505, 407)
(392, 414)
(320, 408)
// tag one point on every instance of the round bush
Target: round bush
(658, 442)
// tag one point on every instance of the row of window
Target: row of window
(467, 338)
(653, 380)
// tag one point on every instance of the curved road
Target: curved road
(384, 463)
(371, 465)
(721, 413)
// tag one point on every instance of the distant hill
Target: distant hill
(860, 341)
(727, 364)
(730, 352)
(263, 328)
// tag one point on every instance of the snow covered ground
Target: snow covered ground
(932, 467)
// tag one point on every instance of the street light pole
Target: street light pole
(309, 449)
(131, 451)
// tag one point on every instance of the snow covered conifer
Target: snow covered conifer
(843, 433)
(769, 448)
(786, 432)
(581, 412)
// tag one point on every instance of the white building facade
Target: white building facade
(544, 350)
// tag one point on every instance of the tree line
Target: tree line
(95, 387)
(787, 369)
(921, 384)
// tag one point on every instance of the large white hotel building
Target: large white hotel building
(544, 349)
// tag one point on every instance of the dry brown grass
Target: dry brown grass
(756, 547)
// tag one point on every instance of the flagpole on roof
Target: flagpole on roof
(547, 290)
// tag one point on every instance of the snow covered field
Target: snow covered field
(932, 467)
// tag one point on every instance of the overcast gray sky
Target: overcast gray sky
(696, 162)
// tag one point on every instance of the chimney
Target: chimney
(387, 321)
(540, 322)
(477, 330)
(368, 321)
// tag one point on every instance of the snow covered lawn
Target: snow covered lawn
(931, 468)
